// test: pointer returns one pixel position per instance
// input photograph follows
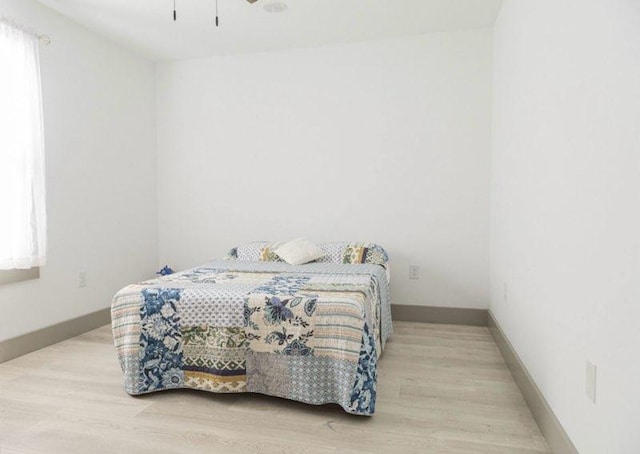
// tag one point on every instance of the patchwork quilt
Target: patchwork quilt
(311, 333)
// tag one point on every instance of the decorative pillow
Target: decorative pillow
(250, 251)
(333, 252)
(299, 251)
(267, 253)
(257, 251)
(354, 252)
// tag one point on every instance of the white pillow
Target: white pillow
(299, 251)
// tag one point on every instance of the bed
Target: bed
(253, 323)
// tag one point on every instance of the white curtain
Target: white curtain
(22, 183)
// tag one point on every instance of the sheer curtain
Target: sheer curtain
(22, 184)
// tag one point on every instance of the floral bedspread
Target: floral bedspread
(311, 333)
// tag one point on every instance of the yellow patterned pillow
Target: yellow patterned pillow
(267, 254)
(360, 252)
(354, 253)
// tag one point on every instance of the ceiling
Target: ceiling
(147, 26)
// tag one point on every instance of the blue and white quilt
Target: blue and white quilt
(311, 333)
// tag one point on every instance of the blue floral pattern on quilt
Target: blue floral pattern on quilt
(161, 344)
(363, 395)
(283, 285)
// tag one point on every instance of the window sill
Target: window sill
(11, 276)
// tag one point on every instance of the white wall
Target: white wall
(566, 207)
(384, 141)
(99, 114)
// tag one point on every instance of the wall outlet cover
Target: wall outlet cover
(82, 278)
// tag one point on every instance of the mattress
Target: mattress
(311, 333)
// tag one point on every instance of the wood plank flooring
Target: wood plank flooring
(441, 389)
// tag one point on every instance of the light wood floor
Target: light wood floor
(441, 389)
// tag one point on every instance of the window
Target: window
(22, 183)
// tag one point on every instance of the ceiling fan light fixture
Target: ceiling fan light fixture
(275, 7)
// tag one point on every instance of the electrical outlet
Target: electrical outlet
(82, 278)
(414, 272)
(505, 291)
(590, 381)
